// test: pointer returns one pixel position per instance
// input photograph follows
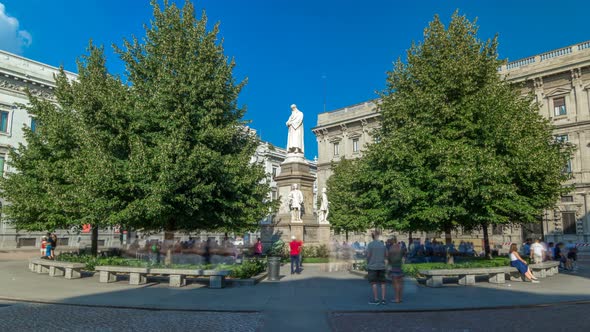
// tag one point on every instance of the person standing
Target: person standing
(54, 245)
(376, 268)
(49, 246)
(295, 250)
(537, 252)
(258, 248)
(395, 255)
(43, 247)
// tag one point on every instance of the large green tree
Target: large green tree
(70, 171)
(460, 146)
(189, 162)
(165, 150)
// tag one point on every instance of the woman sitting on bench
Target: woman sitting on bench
(519, 263)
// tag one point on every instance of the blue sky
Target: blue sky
(285, 48)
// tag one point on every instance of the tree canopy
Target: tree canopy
(166, 149)
(459, 145)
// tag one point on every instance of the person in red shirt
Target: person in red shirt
(258, 248)
(295, 247)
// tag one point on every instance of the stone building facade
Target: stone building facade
(560, 81)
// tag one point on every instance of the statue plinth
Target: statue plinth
(295, 170)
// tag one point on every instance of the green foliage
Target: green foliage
(459, 145)
(474, 262)
(249, 269)
(278, 249)
(92, 261)
(352, 197)
(166, 150)
(306, 259)
(190, 152)
(61, 179)
(320, 251)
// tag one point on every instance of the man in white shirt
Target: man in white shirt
(537, 252)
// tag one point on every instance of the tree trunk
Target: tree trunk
(346, 234)
(486, 241)
(94, 241)
(168, 241)
(409, 238)
(448, 236)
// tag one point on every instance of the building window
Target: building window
(4, 121)
(559, 106)
(567, 199)
(569, 222)
(33, 124)
(562, 138)
(568, 167)
(336, 149)
(274, 171)
(355, 145)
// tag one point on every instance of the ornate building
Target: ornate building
(560, 80)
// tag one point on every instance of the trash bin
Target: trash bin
(274, 266)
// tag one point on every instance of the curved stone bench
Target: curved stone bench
(55, 269)
(545, 269)
(137, 275)
(496, 275)
(178, 276)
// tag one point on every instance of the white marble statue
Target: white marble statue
(295, 125)
(324, 208)
(295, 203)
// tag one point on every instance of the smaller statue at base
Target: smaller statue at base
(295, 203)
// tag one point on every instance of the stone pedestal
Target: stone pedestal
(295, 170)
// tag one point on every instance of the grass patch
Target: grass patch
(316, 260)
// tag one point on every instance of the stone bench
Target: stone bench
(178, 276)
(545, 269)
(496, 275)
(137, 275)
(55, 269)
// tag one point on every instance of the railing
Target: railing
(546, 56)
(520, 63)
(556, 53)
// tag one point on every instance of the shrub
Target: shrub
(248, 269)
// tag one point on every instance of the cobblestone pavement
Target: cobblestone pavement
(565, 317)
(23, 317)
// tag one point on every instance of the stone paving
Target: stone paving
(30, 317)
(312, 301)
(566, 317)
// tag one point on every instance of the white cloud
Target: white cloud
(11, 38)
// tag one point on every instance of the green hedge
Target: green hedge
(474, 262)
(247, 269)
